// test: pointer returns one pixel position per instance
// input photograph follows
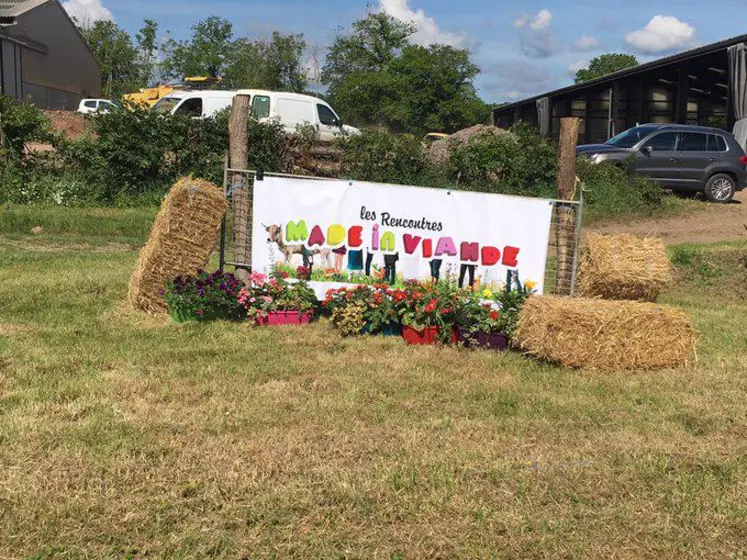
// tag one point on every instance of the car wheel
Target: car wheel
(720, 188)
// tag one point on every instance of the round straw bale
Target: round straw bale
(623, 267)
(182, 239)
(600, 334)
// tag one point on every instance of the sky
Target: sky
(523, 47)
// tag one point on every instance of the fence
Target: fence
(236, 238)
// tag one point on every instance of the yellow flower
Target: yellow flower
(487, 293)
(529, 285)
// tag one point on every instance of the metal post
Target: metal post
(222, 258)
(609, 114)
(579, 217)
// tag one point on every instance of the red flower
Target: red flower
(445, 311)
(494, 315)
(431, 306)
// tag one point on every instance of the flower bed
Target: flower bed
(276, 301)
(422, 313)
(204, 297)
(429, 313)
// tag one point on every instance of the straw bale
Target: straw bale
(623, 267)
(600, 334)
(183, 237)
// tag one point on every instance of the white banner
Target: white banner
(347, 230)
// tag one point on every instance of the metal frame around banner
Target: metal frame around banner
(258, 175)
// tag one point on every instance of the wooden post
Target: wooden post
(241, 193)
(566, 215)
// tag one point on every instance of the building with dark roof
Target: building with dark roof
(703, 86)
(43, 56)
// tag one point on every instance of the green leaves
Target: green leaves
(604, 65)
(273, 64)
(377, 77)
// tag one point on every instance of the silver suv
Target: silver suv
(680, 157)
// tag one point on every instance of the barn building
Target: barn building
(706, 86)
(43, 56)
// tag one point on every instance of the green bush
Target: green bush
(385, 158)
(609, 190)
(134, 156)
(22, 123)
(517, 163)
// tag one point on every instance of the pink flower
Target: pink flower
(253, 300)
(258, 279)
(267, 299)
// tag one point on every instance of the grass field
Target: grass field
(124, 436)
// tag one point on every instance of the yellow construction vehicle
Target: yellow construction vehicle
(150, 96)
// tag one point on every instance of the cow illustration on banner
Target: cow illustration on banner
(354, 232)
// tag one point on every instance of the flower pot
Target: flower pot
(429, 335)
(389, 330)
(275, 318)
(494, 341)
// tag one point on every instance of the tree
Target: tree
(208, 52)
(606, 64)
(370, 47)
(148, 50)
(283, 61)
(273, 64)
(117, 56)
(376, 76)
(212, 50)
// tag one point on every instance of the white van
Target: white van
(197, 104)
(294, 109)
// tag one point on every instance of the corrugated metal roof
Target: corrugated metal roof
(14, 8)
(674, 59)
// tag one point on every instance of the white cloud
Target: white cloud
(538, 40)
(540, 21)
(586, 43)
(522, 20)
(87, 11)
(428, 31)
(576, 66)
(661, 34)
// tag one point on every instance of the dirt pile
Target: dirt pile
(69, 123)
(440, 150)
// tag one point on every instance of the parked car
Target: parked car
(680, 157)
(96, 106)
(294, 109)
(197, 104)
